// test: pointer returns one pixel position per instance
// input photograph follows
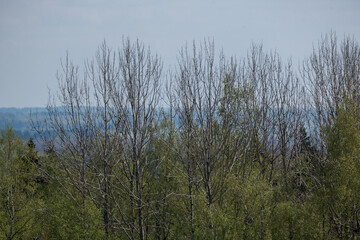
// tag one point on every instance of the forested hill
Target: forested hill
(19, 120)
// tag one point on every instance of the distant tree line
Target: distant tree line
(217, 148)
(19, 120)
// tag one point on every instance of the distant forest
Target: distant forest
(218, 147)
(19, 120)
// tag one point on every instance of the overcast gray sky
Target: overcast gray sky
(35, 34)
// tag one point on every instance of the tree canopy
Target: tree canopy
(217, 148)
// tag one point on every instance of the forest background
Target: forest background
(217, 147)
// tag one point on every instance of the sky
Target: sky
(35, 35)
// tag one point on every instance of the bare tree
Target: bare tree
(185, 110)
(276, 108)
(102, 122)
(205, 89)
(80, 132)
(67, 133)
(135, 97)
(332, 73)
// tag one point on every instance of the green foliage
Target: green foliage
(237, 162)
(20, 199)
(292, 220)
(320, 200)
(72, 219)
(342, 181)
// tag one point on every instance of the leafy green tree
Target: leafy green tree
(342, 182)
(65, 213)
(20, 200)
